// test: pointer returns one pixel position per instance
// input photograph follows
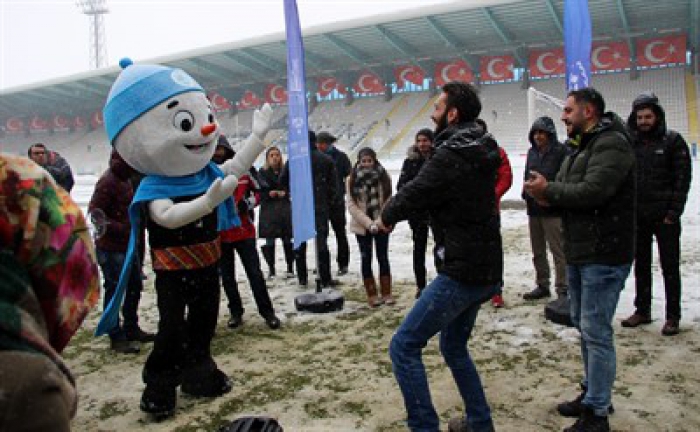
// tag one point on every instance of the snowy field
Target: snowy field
(332, 372)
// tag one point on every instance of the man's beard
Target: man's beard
(441, 124)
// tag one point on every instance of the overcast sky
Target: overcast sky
(42, 40)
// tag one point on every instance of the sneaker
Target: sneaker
(589, 422)
(235, 322)
(497, 301)
(343, 271)
(539, 292)
(125, 346)
(273, 322)
(636, 320)
(576, 407)
(671, 328)
(139, 335)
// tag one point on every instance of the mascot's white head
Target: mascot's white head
(160, 121)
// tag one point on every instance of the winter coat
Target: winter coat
(664, 168)
(324, 182)
(247, 197)
(111, 197)
(343, 167)
(409, 170)
(504, 177)
(59, 169)
(360, 222)
(458, 188)
(546, 163)
(275, 219)
(595, 189)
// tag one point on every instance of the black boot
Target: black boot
(269, 255)
(302, 273)
(289, 258)
(538, 293)
(589, 422)
(576, 407)
(205, 381)
(159, 401)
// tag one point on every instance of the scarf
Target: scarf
(366, 189)
(154, 187)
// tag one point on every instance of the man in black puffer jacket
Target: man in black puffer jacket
(595, 189)
(663, 181)
(457, 186)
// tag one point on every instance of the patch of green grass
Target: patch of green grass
(359, 409)
(112, 409)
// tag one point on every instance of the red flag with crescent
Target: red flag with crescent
(79, 122)
(409, 73)
(496, 68)
(661, 51)
(326, 85)
(218, 102)
(249, 100)
(60, 122)
(14, 124)
(610, 56)
(456, 70)
(275, 94)
(38, 124)
(544, 63)
(368, 82)
(96, 119)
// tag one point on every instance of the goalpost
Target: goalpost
(533, 96)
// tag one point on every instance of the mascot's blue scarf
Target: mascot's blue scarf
(159, 187)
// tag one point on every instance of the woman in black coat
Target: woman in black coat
(275, 212)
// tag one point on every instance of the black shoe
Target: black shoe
(670, 328)
(125, 346)
(589, 422)
(273, 322)
(330, 284)
(343, 271)
(576, 407)
(538, 293)
(234, 322)
(139, 335)
(159, 402)
(211, 384)
(635, 320)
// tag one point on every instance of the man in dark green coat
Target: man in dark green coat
(595, 189)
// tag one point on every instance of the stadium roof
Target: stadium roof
(463, 29)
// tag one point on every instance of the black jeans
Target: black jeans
(668, 238)
(111, 264)
(420, 245)
(338, 222)
(381, 244)
(324, 256)
(251, 264)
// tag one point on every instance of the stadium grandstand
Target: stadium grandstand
(372, 82)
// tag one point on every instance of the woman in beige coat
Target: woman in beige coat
(368, 189)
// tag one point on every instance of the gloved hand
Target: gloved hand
(262, 121)
(219, 190)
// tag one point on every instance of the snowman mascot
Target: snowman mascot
(162, 124)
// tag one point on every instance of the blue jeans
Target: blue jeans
(111, 264)
(448, 307)
(594, 291)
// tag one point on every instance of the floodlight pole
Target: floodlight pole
(96, 9)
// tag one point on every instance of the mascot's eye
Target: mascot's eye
(184, 120)
(211, 118)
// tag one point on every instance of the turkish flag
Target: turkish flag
(545, 63)
(369, 83)
(59, 122)
(410, 73)
(249, 100)
(14, 124)
(496, 68)
(219, 103)
(96, 119)
(38, 124)
(275, 94)
(610, 56)
(661, 51)
(79, 122)
(457, 70)
(326, 85)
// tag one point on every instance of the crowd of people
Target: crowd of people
(595, 202)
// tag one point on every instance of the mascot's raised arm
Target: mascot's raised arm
(162, 124)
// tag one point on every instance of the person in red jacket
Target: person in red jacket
(241, 239)
(504, 180)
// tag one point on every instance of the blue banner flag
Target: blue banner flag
(301, 181)
(577, 44)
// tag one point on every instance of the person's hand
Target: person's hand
(668, 220)
(535, 186)
(219, 190)
(373, 229)
(384, 228)
(262, 121)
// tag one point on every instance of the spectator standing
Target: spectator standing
(325, 144)
(54, 163)
(49, 284)
(595, 188)
(368, 189)
(241, 239)
(109, 208)
(545, 156)
(663, 181)
(457, 186)
(416, 157)
(275, 220)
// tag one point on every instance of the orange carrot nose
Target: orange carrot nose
(208, 129)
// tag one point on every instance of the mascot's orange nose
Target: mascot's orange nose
(208, 129)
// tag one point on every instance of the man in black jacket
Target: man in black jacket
(663, 181)
(457, 188)
(324, 143)
(595, 189)
(54, 163)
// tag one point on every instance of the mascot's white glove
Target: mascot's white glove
(170, 215)
(253, 146)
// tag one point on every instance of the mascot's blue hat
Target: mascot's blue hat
(138, 89)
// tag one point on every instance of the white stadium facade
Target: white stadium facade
(371, 82)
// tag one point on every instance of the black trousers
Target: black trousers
(338, 223)
(420, 245)
(251, 264)
(668, 239)
(324, 256)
